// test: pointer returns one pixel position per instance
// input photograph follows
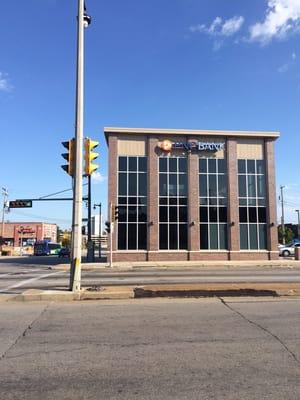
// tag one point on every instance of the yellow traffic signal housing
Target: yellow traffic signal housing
(70, 157)
(90, 156)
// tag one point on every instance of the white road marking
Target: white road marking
(16, 285)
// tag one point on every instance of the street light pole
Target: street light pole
(298, 230)
(75, 275)
(282, 214)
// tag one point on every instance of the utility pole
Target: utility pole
(75, 274)
(5, 199)
(282, 214)
(100, 226)
(298, 230)
(111, 234)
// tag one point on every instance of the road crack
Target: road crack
(23, 334)
(263, 329)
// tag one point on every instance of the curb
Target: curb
(204, 290)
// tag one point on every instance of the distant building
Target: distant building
(97, 227)
(27, 233)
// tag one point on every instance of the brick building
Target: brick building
(28, 232)
(192, 195)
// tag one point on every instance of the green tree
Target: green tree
(288, 234)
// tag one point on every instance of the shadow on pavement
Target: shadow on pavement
(141, 292)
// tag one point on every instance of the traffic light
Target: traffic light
(90, 156)
(70, 157)
(20, 204)
(115, 213)
(107, 226)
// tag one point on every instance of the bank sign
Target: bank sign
(167, 146)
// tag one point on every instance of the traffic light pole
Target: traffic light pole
(75, 273)
(90, 244)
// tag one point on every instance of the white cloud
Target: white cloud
(282, 17)
(5, 86)
(97, 177)
(219, 27)
(286, 66)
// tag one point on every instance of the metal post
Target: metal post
(75, 275)
(282, 214)
(298, 230)
(100, 229)
(90, 244)
(111, 235)
(100, 226)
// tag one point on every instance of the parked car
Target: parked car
(288, 249)
(64, 252)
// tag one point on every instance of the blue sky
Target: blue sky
(170, 64)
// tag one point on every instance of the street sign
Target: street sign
(20, 204)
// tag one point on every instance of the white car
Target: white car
(288, 249)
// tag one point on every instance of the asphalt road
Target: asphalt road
(150, 349)
(21, 274)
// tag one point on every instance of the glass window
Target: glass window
(262, 214)
(142, 184)
(222, 214)
(163, 236)
(163, 164)
(122, 236)
(203, 165)
(132, 236)
(212, 179)
(122, 184)
(173, 216)
(173, 236)
(260, 167)
(132, 203)
(223, 236)
(183, 236)
(172, 164)
(212, 166)
(204, 236)
(251, 186)
(253, 236)
(143, 164)
(132, 163)
(222, 168)
(252, 192)
(163, 214)
(142, 236)
(173, 185)
(241, 166)
(173, 203)
(213, 236)
(132, 184)
(262, 236)
(182, 164)
(250, 166)
(202, 185)
(243, 214)
(203, 214)
(163, 185)
(242, 186)
(213, 214)
(244, 236)
(182, 185)
(122, 163)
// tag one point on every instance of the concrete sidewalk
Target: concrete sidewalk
(162, 290)
(287, 263)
